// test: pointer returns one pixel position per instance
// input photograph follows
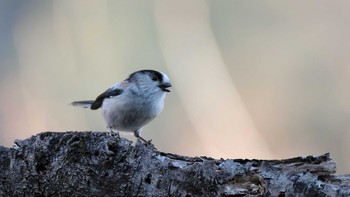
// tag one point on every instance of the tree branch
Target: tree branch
(97, 164)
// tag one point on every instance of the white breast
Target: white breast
(129, 113)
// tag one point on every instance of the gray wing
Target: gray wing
(107, 94)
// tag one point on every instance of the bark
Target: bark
(97, 164)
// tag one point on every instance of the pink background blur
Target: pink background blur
(262, 79)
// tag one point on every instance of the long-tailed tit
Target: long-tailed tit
(132, 103)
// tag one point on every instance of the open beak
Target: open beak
(165, 86)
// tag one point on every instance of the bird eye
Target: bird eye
(154, 78)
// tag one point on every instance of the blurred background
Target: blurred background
(251, 79)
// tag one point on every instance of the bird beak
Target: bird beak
(165, 86)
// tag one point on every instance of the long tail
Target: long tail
(85, 104)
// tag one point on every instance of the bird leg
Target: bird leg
(137, 134)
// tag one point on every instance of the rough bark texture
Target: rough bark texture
(97, 164)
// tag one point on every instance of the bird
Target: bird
(129, 105)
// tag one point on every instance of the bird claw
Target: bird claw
(145, 141)
(113, 133)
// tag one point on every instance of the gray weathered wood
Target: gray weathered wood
(97, 164)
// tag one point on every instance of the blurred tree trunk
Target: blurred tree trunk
(97, 164)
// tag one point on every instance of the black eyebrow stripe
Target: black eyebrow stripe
(150, 73)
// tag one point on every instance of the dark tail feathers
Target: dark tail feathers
(85, 104)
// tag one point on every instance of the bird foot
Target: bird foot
(114, 133)
(145, 141)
